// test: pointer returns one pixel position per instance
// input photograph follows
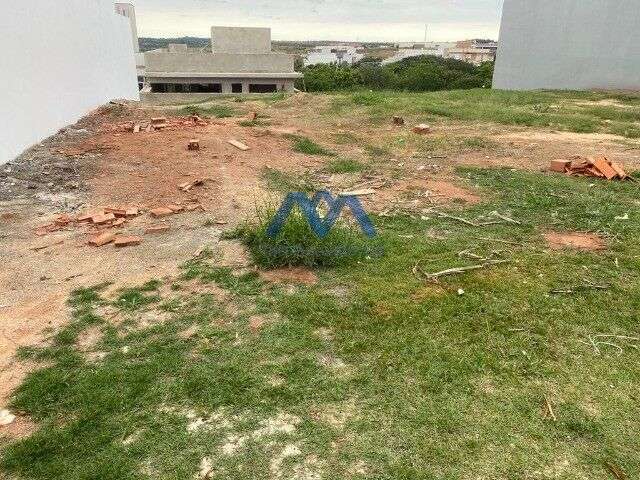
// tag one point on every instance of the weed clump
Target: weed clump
(298, 245)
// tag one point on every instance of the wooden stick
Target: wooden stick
(457, 270)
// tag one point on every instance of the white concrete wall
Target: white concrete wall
(60, 60)
(569, 44)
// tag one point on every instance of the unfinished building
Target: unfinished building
(241, 62)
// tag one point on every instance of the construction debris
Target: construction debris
(600, 167)
(399, 121)
(127, 241)
(238, 144)
(185, 187)
(422, 129)
(194, 145)
(161, 212)
(102, 239)
(103, 218)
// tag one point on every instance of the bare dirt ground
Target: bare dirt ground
(97, 163)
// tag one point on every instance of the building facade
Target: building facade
(241, 62)
(569, 44)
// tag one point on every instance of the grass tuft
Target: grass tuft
(345, 165)
(218, 111)
(308, 146)
(298, 245)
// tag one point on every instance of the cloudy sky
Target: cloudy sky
(349, 20)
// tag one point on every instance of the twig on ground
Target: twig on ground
(457, 270)
(548, 410)
(502, 218)
(495, 213)
(580, 288)
(596, 343)
(615, 471)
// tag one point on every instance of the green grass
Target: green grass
(307, 146)
(283, 182)
(297, 245)
(372, 370)
(218, 111)
(564, 111)
(345, 165)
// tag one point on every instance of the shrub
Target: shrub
(419, 74)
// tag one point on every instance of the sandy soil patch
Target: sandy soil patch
(575, 241)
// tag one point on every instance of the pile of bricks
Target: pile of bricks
(159, 124)
(599, 167)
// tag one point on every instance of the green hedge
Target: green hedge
(417, 74)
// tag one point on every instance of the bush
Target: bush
(418, 74)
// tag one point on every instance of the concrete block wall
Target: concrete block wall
(569, 44)
(196, 62)
(240, 40)
(61, 59)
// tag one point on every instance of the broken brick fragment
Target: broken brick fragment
(102, 239)
(175, 208)
(422, 129)
(118, 212)
(158, 120)
(84, 218)
(128, 241)
(560, 166)
(132, 212)
(194, 145)
(161, 212)
(101, 219)
(118, 222)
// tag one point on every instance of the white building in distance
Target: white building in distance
(333, 54)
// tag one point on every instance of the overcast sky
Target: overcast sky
(349, 20)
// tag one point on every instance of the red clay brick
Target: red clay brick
(128, 241)
(175, 208)
(161, 212)
(132, 212)
(603, 166)
(560, 166)
(102, 239)
(118, 212)
(102, 219)
(422, 129)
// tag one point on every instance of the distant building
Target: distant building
(476, 56)
(241, 62)
(569, 44)
(333, 54)
(438, 49)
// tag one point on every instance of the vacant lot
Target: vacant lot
(180, 358)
